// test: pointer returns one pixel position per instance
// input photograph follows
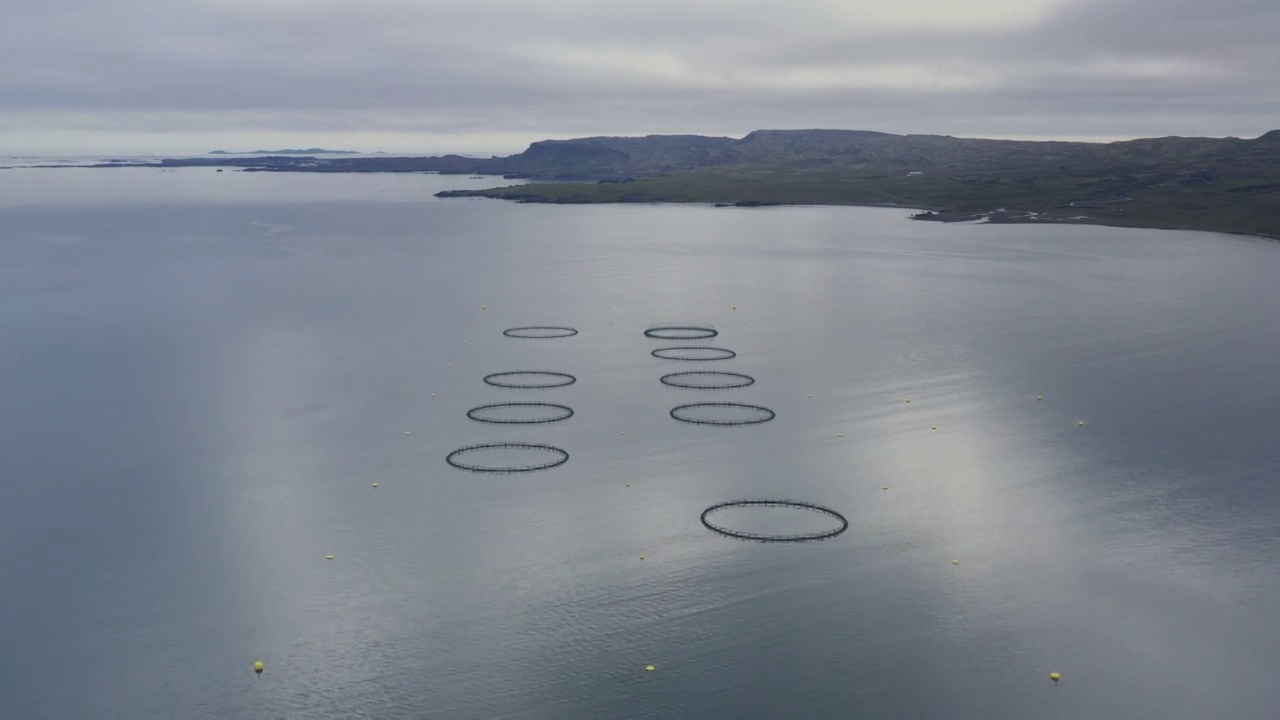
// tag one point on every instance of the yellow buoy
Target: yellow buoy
(810, 396)
(884, 487)
(955, 562)
(1039, 397)
(839, 434)
(650, 668)
(258, 667)
(484, 307)
(328, 557)
(375, 485)
(433, 394)
(406, 432)
(908, 401)
(1080, 423)
(735, 307)
(935, 427)
(1055, 677)
(641, 557)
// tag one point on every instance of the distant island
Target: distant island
(287, 151)
(1217, 184)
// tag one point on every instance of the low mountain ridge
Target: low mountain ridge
(603, 158)
(606, 157)
(1224, 184)
(1227, 184)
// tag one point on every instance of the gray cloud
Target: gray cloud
(513, 68)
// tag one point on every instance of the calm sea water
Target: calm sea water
(201, 375)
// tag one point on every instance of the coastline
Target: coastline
(1227, 185)
(521, 194)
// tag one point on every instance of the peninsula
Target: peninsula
(286, 151)
(1217, 184)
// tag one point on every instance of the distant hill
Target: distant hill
(601, 158)
(1225, 184)
(613, 156)
(290, 151)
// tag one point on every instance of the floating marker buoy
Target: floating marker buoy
(641, 557)
(258, 667)
(484, 307)
(628, 484)
(908, 401)
(884, 487)
(955, 562)
(811, 396)
(839, 434)
(624, 433)
(1055, 677)
(433, 394)
(650, 668)
(1039, 397)
(328, 557)
(935, 427)
(735, 307)
(1080, 423)
(450, 364)
(374, 485)
(406, 432)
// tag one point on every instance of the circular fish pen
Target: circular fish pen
(694, 353)
(707, 380)
(723, 414)
(529, 379)
(520, 413)
(681, 332)
(540, 332)
(558, 457)
(842, 524)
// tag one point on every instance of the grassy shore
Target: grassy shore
(1234, 205)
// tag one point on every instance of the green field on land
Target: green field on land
(1240, 205)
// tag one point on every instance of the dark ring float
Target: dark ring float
(762, 537)
(716, 380)
(681, 332)
(477, 413)
(689, 353)
(681, 413)
(509, 379)
(561, 458)
(540, 332)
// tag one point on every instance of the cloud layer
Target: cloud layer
(463, 74)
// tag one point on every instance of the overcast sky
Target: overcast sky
(493, 75)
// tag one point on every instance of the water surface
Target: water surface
(202, 375)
